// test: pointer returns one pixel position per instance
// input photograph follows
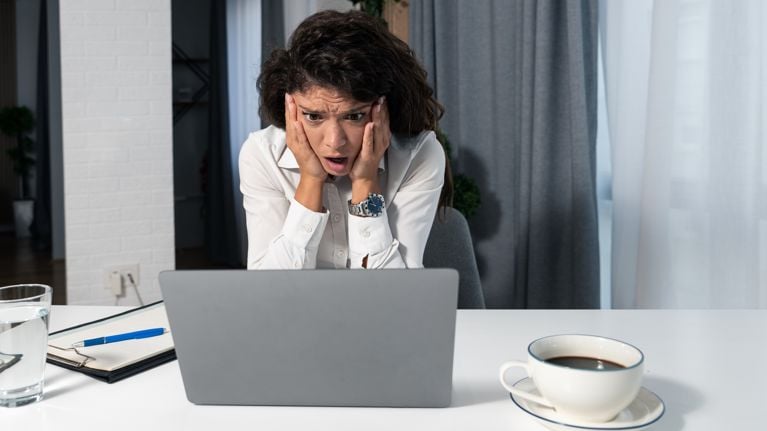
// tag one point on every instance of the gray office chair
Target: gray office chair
(450, 246)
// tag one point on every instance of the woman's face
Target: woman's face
(334, 125)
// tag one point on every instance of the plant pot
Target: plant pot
(23, 212)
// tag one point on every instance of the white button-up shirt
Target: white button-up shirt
(282, 233)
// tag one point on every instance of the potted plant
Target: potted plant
(17, 122)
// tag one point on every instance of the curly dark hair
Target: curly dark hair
(355, 54)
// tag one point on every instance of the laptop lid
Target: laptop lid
(314, 337)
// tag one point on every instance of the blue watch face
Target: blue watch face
(375, 204)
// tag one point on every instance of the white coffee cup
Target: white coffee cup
(576, 388)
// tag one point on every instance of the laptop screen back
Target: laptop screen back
(314, 337)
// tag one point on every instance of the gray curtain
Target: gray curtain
(272, 33)
(518, 81)
(272, 27)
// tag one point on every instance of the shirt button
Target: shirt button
(336, 218)
(340, 253)
(308, 228)
(365, 234)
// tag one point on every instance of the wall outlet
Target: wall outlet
(118, 277)
(114, 282)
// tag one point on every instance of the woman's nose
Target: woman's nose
(336, 137)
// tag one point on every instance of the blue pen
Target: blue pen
(145, 333)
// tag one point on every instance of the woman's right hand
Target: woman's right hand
(313, 175)
(308, 163)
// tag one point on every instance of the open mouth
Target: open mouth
(337, 163)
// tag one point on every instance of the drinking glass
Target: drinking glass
(24, 310)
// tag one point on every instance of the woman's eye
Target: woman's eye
(358, 116)
(312, 117)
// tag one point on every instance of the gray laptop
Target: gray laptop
(380, 338)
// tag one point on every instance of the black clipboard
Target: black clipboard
(161, 356)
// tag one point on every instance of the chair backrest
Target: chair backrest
(450, 246)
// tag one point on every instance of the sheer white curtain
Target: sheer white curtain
(686, 93)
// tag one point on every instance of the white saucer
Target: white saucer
(644, 411)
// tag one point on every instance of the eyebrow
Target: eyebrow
(354, 110)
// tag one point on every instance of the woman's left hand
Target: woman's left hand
(375, 141)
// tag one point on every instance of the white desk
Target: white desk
(710, 367)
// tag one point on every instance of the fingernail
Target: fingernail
(381, 100)
(287, 98)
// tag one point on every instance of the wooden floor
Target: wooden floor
(21, 263)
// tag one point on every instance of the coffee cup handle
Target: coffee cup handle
(516, 391)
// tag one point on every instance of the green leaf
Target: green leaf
(16, 120)
(466, 194)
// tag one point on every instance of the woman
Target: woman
(350, 173)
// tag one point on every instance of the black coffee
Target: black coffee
(585, 363)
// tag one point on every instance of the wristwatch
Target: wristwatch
(373, 206)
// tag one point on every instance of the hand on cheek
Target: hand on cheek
(375, 142)
(313, 175)
(308, 163)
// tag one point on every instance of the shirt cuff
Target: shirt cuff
(304, 227)
(369, 235)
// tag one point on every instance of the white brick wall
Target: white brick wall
(118, 144)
